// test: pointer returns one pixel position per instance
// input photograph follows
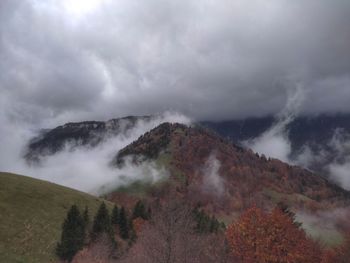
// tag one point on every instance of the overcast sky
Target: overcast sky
(70, 60)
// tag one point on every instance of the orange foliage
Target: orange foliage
(138, 224)
(329, 256)
(342, 253)
(270, 237)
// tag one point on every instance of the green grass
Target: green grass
(31, 214)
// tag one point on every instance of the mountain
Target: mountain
(301, 130)
(247, 169)
(320, 135)
(227, 178)
(317, 136)
(205, 171)
(32, 213)
(78, 134)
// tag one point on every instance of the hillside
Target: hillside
(32, 212)
(246, 177)
(224, 178)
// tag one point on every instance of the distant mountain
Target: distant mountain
(301, 131)
(78, 134)
(317, 133)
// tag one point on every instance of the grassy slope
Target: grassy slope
(31, 215)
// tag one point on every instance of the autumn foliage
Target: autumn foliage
(270, 237)
(339, 254)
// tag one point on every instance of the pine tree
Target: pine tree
(140, 211)
(102, 221)
(214, 225)
(73, 235)
(115, 215)
(123, 224)
(86, 217)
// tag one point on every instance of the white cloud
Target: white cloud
(83, 168)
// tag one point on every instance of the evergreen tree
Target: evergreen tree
(284, 208)
(123, 224)
(102, 221)
(214, 225)
(205, 223)
(73, 235)
(140, 211)
(86, 217)
(115, 215)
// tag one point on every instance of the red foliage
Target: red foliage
(270, 237)
(342, 253)
(138, 224)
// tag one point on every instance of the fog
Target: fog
(85, 169)
(212, 181)
(324, 225)
(333, 157)
(63, 61)
(274, 142)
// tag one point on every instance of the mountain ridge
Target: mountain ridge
(189, 148)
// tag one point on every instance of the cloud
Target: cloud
(62, 61)
(85, 169)
(333, 158)
(324, 225)
(210, 60)
(212, 181)
(275, 142)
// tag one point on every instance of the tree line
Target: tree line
(174, 232)
(77, 229)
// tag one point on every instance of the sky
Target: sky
(73, 60)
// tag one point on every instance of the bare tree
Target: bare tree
(170, 237)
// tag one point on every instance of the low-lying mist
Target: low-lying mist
(212, 181)
(333, 158)
(85, 169)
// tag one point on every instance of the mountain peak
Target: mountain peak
(205, 162)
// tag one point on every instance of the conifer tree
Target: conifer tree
(102, 221)
(214, 225)
(115, 215)
(140, 211)
(86, 217)
(123, 224)
(73, 235)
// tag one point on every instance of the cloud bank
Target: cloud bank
(86, 169)
(333, 158)
(63, 60)
(274, 142)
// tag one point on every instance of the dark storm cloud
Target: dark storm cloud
(207, 59)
